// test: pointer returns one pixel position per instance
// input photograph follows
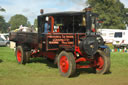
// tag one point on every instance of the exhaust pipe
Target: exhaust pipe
(88, 20)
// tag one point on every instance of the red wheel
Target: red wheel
(21, 55)
(66, 64)
(18, 55)
(102, 62)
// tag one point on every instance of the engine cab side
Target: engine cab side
(65, 30)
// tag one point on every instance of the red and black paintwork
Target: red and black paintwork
(57, 41)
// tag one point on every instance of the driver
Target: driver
(46, 25)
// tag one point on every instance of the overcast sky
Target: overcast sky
(31, 8)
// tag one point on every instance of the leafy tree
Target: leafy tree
(126, 16)
(112, 11)
(3, 25)
(2, 9)
(18, 20)
(35, 23)
(28, 24)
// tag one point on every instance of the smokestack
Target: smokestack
(88, 19)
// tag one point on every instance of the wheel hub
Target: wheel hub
(64, 64)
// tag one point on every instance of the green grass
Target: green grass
(42, 72)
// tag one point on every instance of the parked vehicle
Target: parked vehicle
(121, 39)
(108, 34)
(68, 41)
(5, 36)
(4, 42)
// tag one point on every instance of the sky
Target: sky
(31, 8)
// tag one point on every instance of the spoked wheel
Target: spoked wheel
(21, 55)
(66, 64)
(102, 62)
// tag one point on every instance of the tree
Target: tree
(2, 9)
(35, 23)
(112, 11)
(126, 16)
(3, 25)
(28, 24)
(18, 20)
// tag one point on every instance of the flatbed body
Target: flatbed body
(24, 37)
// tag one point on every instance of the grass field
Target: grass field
(42, 72)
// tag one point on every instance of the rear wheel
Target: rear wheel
(102, 62)
(66, 64)
(21, 55)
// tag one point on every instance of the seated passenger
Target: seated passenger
(46, 26)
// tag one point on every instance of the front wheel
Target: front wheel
(102, 62)
(66, 64)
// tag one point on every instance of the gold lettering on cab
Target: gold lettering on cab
(61, 39)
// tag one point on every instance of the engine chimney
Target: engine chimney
(88, 19)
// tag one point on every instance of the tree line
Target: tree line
(112, 12)
(14, 22)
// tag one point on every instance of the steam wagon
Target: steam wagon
(68, 38)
